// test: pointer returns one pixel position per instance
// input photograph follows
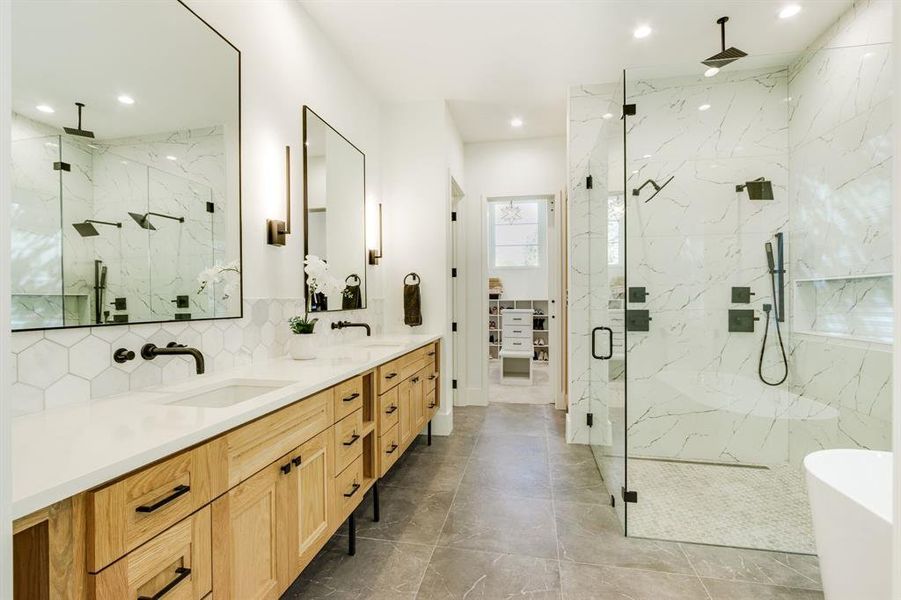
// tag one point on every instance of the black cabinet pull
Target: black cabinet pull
(432, 353)
(415, 379)
(181, 573)
(296, 461)
(432, 377)
(393, 448)
(432, 405)
(391, 409)
(353, 491)
(391, 375)
(285, 468)
(178, 491)
(352, 397)
(353, 439)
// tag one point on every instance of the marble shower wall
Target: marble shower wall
(840, 131)
(57, 367)
(692, 385)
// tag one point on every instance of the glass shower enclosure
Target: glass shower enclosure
(700, 410)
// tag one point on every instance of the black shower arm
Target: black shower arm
(103, 222)
(179, 219)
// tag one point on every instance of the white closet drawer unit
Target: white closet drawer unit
(517, 331)
(517, 317)
(517, 344)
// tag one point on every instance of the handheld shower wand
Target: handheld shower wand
(777, 308)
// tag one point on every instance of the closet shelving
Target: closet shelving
(540, 335)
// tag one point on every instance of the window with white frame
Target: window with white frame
(517, 233)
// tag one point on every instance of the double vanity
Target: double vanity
(224, 486)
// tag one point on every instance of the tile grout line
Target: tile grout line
(547, 446)
(449, 509)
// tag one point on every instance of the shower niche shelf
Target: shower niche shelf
(850, 307)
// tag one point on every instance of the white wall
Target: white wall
(5, 117)
(513, 168)
(421, 151)
(896, 269)
(287, 62)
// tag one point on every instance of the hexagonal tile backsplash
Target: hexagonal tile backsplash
(58, 367)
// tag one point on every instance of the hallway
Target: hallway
(503, 508)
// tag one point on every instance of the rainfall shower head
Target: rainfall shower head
(726, 55)
(145, 223)
(657, 187)
(86, 228)
(758, 189)
(78, 130)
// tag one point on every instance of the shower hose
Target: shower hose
(766, 330)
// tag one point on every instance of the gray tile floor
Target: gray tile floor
(504, 509)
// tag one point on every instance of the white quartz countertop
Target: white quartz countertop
(64, 451)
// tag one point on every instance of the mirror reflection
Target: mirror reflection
(125, 165)
(334, 224)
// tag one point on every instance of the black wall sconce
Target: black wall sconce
(277, 231)
(376, 255)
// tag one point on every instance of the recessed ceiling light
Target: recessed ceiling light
(635, 172)
(704, 107)
(607, 116)
(126, 99)
(646, 156)
(170, 157)
(789, 11)
(711, 72)
(515, 122)
(44, 108)
(642, 31)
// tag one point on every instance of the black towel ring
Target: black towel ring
(415, 277)
(353, 276)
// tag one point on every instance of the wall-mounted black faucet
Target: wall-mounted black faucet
(151, 351)
(346, 324)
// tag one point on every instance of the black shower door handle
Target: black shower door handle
(594, 353)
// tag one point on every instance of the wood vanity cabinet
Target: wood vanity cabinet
(238, 516)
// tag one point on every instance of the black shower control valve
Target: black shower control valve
(741, 320)
(123, 355)
(741, 295)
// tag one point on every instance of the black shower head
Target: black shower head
(726, 55)
(142, 220)
(86, 228)
(758, 189)
(78, 130)
(145, 223)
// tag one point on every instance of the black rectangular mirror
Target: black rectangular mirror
(126, 162)
(334, 199)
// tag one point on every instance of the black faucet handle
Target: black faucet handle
(175, 345)
(123, 355)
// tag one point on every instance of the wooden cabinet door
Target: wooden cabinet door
(307, 501)
(246, 557)
(418, 402)
(405, 412)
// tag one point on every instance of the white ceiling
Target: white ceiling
(495, 59)
(181, 74)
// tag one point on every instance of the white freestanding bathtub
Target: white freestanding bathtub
(851, 501)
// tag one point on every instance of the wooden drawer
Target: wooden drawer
(430, 380)
(389, 375)
(348, 397)
(252, 447)
(348, 440)
(431, 404)
(387, 410)
(179, 559)
(418, 361)
(390, 450)
(123, 515)
(348, 485)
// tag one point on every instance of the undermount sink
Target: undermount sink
(226, 393)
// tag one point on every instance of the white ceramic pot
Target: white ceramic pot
(302, 346)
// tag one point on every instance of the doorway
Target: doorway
(520, 260)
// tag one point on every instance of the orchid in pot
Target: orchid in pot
(321, 284)
(302, 345)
